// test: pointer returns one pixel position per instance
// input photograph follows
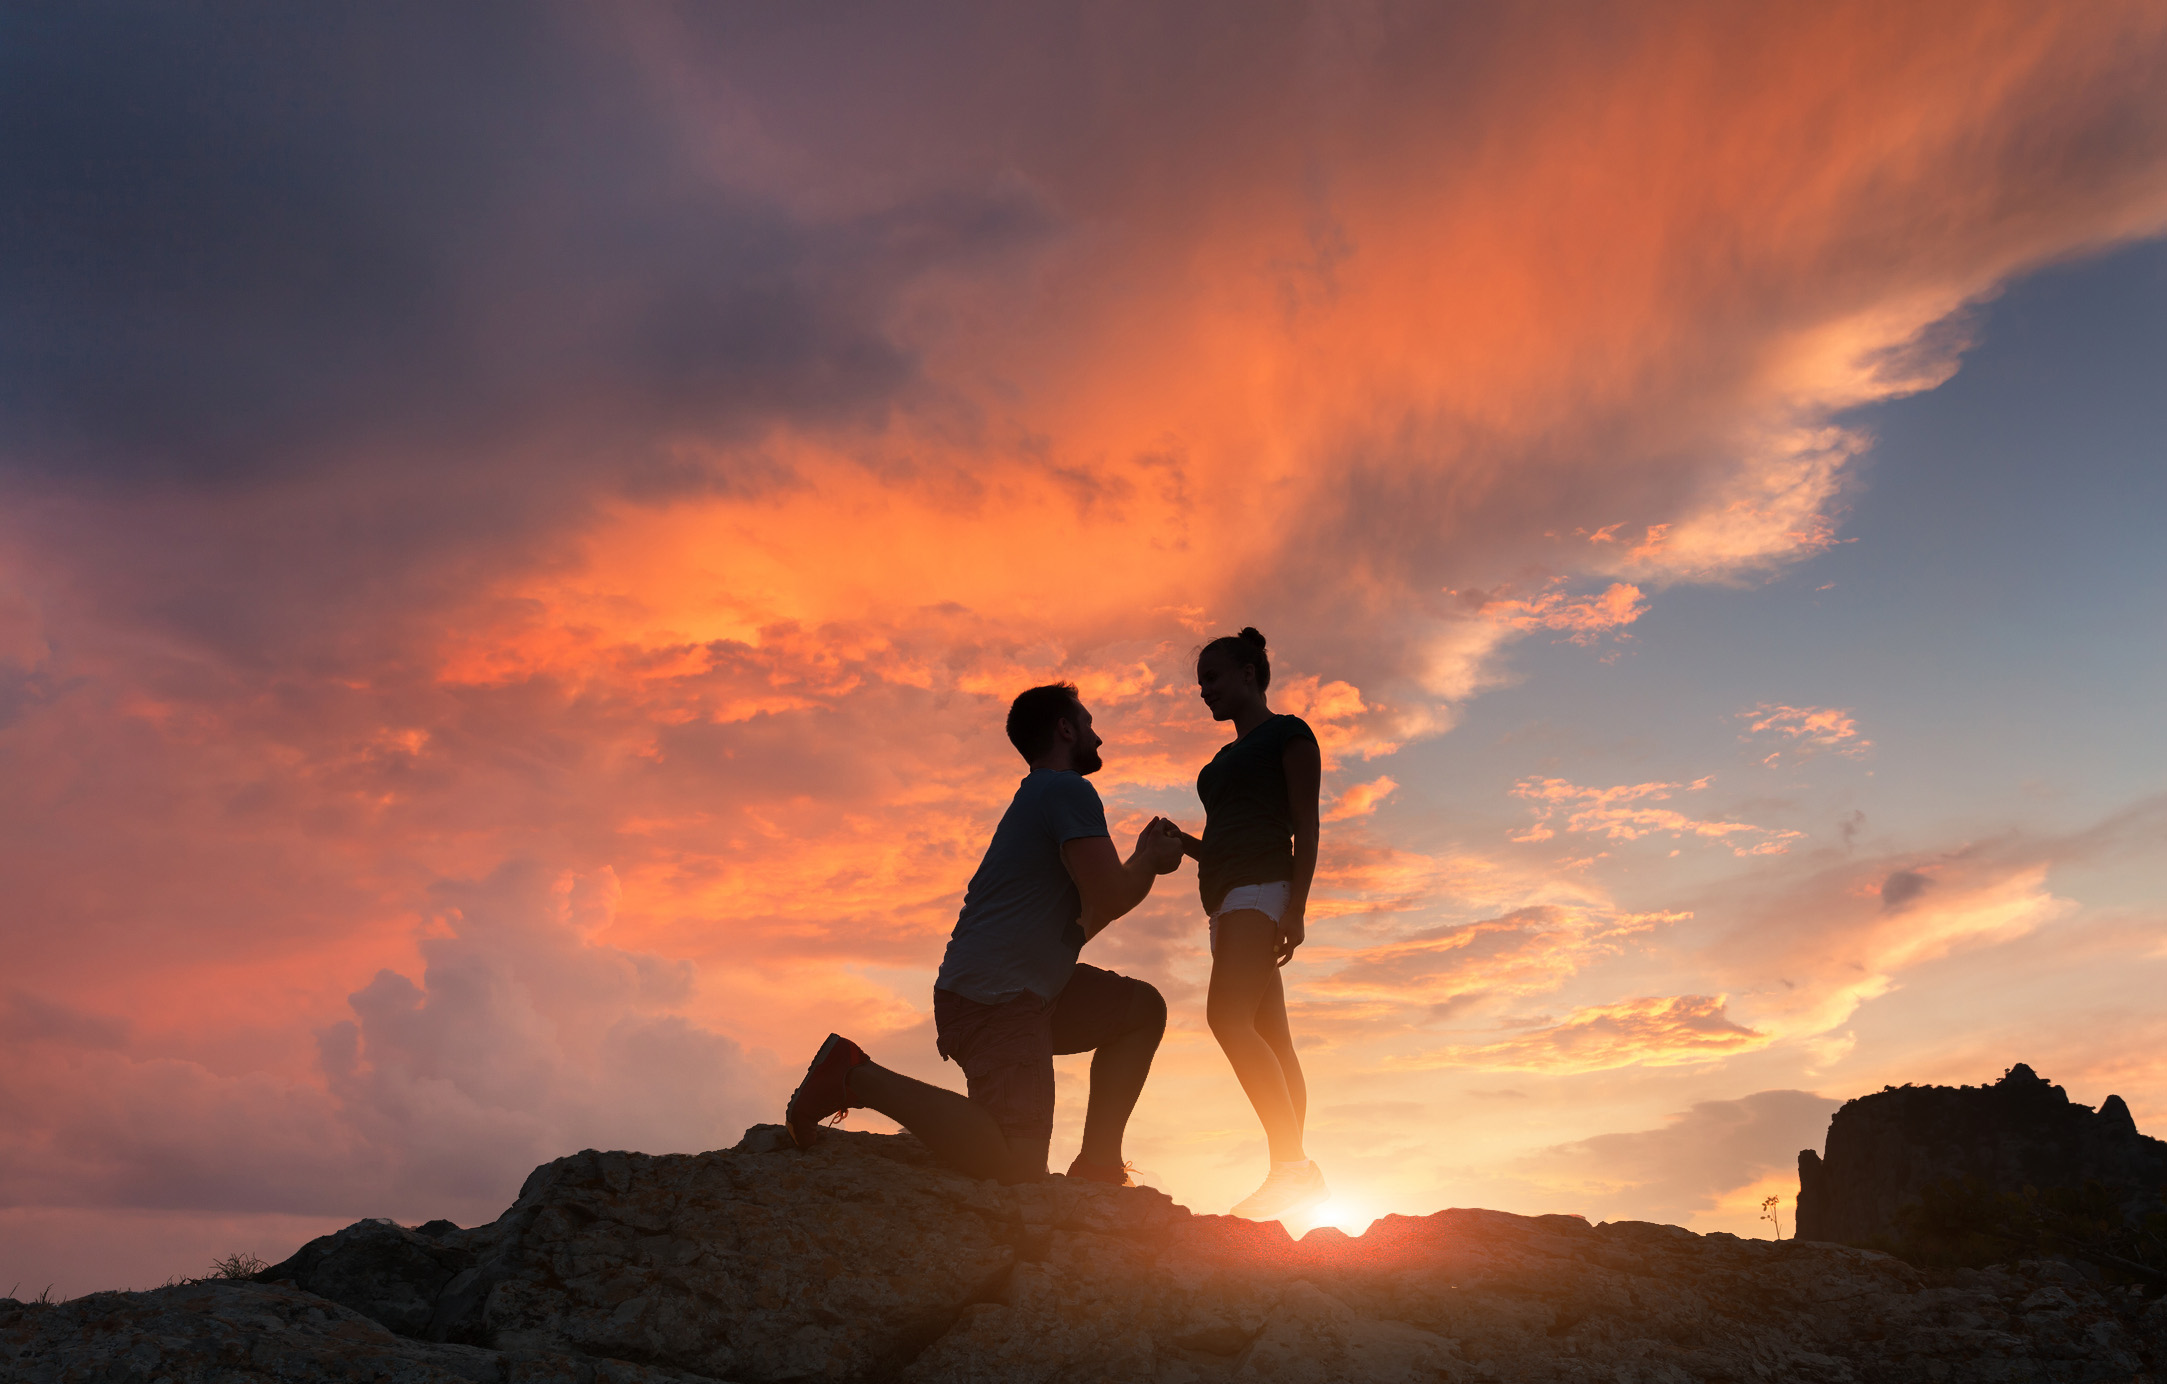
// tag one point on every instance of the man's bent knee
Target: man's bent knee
(1147, 1009)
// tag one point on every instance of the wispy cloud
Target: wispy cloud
(1800, 732)
(1527, 951)
(1579, 619)
(1361, 799)
(1651, 1031)
(1625, 812)
(1814, 949)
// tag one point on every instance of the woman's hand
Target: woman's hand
(1160, 844)
(1292, 933)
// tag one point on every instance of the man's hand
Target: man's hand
(1159, 846)
(1292, 932)
(1111, 886)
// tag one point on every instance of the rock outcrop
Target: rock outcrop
(1887, 1151)
(860, 1261)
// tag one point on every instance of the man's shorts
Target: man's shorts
(1006, 1050)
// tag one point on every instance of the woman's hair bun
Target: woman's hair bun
(1246, 649)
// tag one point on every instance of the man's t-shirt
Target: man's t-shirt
(1248, 824)
(1020, 928)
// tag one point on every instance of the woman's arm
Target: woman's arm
(1305, 775)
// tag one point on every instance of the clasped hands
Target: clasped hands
(1159, 845)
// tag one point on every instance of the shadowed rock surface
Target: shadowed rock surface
(861, 1261)
(1885, 1151)
(222, 1333)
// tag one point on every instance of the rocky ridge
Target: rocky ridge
(1890, 1152)
(861, 1261)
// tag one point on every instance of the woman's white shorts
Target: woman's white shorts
(1267, 899)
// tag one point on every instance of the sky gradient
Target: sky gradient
(518, 527)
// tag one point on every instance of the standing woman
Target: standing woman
(1254, 866)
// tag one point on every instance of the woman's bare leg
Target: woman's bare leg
(1243, 973)
(1272, 1028)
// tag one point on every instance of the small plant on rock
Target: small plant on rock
(1771, 1213)
(241, 1265)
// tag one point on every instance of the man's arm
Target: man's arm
(1110, 885)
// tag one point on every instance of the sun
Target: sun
(1341, 1213)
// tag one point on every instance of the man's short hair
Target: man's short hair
(1034, 716)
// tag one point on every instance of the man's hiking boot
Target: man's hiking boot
(1289, 1189)
(1112, 1174)
(825, 1093)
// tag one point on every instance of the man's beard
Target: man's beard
(1087, 761)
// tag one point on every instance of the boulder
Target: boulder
(381, 1270)
(1888, 1151)
(861, 1261)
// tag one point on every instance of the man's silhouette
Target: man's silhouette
(1011, 992)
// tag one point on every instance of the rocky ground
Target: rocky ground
(860, 1261)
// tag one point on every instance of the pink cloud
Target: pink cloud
(1623, 813)
(1580, 619)
(1799, 732)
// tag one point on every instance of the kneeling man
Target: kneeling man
(1011, 992)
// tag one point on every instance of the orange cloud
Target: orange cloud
(1651, 1032)
(1620, 813)
(1801, 731)
(1813, 952)
(1361, 799)
(1527, 951)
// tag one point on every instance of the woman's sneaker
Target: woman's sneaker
(825, 1092)
(1289, 1188)
(1112, 1174)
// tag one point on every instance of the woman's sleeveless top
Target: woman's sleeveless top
(1248, 825)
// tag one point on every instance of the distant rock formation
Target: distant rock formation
(860, 1261)
(1890, 1153)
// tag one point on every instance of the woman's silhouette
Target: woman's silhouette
(1254, 866)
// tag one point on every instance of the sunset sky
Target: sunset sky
(519, 525)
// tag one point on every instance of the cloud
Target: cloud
(1361, 799)
(1581, 619)
(525, 1039)
(412, 228)
(1798, 732)
(1806, 949)
(1621, 813)
(27, 1020)
(1902, 886)
(1651, 1031)
(1525, 952)
(1871, 946)
(1683, 1169)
